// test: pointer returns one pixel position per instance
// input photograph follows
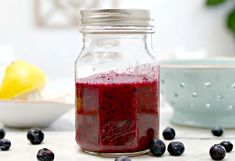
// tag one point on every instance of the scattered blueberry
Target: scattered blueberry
(217, 131)
(35, 136)
(45, 155)
(169, 133)
(5, 144)
(217, 152)
(157, 147)
(2, 133)
(176, 148)
(227, 145)
(123, 158)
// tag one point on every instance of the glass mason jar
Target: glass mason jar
(117, 83)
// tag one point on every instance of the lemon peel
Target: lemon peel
(21, 78)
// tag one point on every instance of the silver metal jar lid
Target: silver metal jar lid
(117, 18)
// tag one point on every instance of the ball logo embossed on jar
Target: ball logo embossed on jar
(116, 130)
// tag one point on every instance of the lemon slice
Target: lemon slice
(21, 78)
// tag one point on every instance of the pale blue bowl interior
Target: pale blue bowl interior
(221, 61)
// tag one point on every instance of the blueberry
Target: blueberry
(227, 145)
(217, 131)
(45, 155)
(35, 136)
(217, 152)
(157, 147)
(176, 148)
(2, 133)
(169, 133)
(5, 144)
(123, 158)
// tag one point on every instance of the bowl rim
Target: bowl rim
(50, 101)
(212, 63)
(36, 101)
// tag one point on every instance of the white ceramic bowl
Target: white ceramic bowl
(26, 114)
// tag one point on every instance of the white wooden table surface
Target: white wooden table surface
(59, 137)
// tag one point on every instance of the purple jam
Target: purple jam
(116, 113)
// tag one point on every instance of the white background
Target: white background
(186, 24)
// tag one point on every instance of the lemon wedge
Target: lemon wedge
(21, 78)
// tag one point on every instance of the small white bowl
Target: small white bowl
(27, 114)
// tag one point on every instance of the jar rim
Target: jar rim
(118, 20)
